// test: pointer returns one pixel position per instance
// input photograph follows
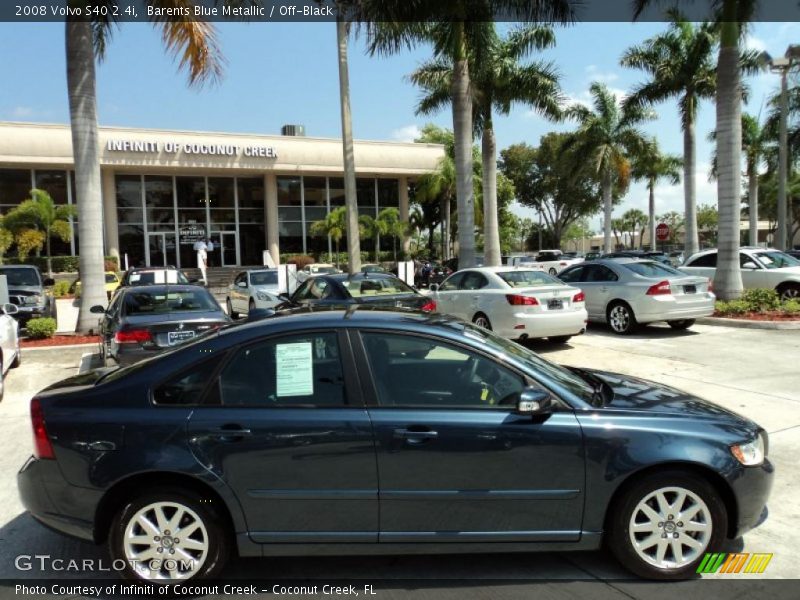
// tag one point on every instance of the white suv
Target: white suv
(761, 268)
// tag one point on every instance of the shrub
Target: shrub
(61, 288)
(41, 328)
(761, 300)
(733, 307)
(791, 306)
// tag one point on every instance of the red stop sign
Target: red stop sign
(662, 232)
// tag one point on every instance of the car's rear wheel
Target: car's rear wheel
(789, 291)
(167, 534)
(229, 306)
(621, 318)
(559, 339)
(481, 320)
(251, 306)
(18, 356)
(663, 525)
(681, 324)
(552, 271)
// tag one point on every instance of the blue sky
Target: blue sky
(287, 73)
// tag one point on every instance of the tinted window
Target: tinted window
(186, 388)
(652, 269)
(527, 278)
(314, 289)
(364, 286)
(421, 372)
(298, 370)
(451, 283)
(21, 276)
(594, 273)
(707, 260)
(776, 260)
(572, 275)
(163, 301)
(264, 278)
(473, 281)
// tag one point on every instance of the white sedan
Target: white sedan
(256, 288)
(10, 357)
(514, 302)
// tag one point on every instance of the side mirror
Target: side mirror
(10, 309)
(242, 284)
(533, 401)
(48, 282)
(98, 310)
(750, 265)
(434, 287)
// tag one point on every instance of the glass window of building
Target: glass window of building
(159, 202)
(365, 194)
(251, 192)
(315, 198)
(129, 199)
(336, 185)
(388, 193)
(54, 183)
(291, 237)
(288, 191)
(191, 200)
(15, 186)
(131, 243)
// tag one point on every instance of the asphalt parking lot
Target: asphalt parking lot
(753, 372)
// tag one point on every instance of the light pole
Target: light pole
(782, 65)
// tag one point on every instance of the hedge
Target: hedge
(61, 264)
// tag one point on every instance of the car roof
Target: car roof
(160, 287)
(356, 276)
(502, 269)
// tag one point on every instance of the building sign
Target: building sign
(189, 234)
(151, 147)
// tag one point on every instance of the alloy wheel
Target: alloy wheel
(619, 318)
(482, 322)
(670, 527)
(790, 292)
(166, 540)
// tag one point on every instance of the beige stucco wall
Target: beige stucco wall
(32, 144)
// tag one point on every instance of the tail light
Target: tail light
(517, 300)
(132, 336)
(42, 448)
(659, 289)
(562, 264)
(429, 306)
(579, 297)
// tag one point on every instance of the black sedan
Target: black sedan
(334, 432)
(144, 320)
(372, 289)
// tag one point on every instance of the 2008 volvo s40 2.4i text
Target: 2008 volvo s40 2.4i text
(337, 432)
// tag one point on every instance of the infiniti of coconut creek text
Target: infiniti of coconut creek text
(190, 590)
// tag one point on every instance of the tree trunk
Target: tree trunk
(652, 214)
(353, 241)
(49, 257)
(692, 242)
(462, 133)
(83, 120)
(448, 227)
(607, 197)
(728, 278)
(752, 192)
(491, 229)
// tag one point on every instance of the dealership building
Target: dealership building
(163, 190)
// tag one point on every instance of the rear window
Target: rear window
(264, 278)
(652, 269)
(518, 279)
(377, 287)
(147, 302)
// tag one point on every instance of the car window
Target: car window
(652, 269)
(264, 278)
(303, 292)
(473, 281)
(21, 276)
(188, 386)
(707, 260)
(516, 279)
(413, 371)
(239, 279)
(453, 282)
(572, 275)
(776, 260)
(111, 278)
(164, 301)
(296, 370)
(598, 273)
(364, 286)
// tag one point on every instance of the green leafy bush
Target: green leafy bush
(61, 264)
(791, 306)
(761, 300)
(733, 307)
(61, 288)
(41, 328)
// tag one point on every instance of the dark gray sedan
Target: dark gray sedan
(144, 320)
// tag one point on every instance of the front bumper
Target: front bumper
(751, 487)
(26, 313)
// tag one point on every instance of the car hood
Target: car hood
(635, 394)
(25, 290)
(270, 289)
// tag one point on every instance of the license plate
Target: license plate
(555, 304)
(176, 337)
(690, 289)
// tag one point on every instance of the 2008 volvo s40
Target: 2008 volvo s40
(365, 431)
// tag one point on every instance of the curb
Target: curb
(744, 324)
(41, 348)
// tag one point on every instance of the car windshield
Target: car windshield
(776, 260)
(111, 278)
(385, 286)
(264, 278)
(652, 269)
(519, 279)
(144, 302)
(21, 276)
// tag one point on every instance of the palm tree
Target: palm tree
(498, 81)
(680, 63)
(393, 226)
(606, 139)
(455, 28)
(334, 225)
(40, 212)
(194, 42)
(617, 227)
(651, 166)
(635, 222)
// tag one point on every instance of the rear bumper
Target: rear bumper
(128, 354)
(666, 308)
(540, 325)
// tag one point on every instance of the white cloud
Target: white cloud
(585, 97)
(21, 112)
(594, 74)
(406, 134)
(755, 43)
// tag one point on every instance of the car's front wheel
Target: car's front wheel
(167, 534)
(663, 525)
(789, 291)
(231, 313)
(681, 324)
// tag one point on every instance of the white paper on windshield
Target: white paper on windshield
(294, 368)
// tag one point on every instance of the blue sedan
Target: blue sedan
(367, 431)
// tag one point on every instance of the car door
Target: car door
(754, 275)
(473, 298)
(455, 463)
(592, 279)
(285, 427)
(447, 295)
(236, 293)
(8, 339)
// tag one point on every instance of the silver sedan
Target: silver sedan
(625, 292)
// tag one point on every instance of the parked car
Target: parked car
(154, 276)
(514, 302)
(640, 254)
(427, 273)
(10, 353)
(142, 321)
(372, 432)
(592, 255)
(794, 253)
(112, 283)
(761, 268)
(453, 266)
(373, 289)
(373, 268)
(626, 292)
(256, 288)
(676, 258)
(26, 290)
(315, 269)
(554, 261)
